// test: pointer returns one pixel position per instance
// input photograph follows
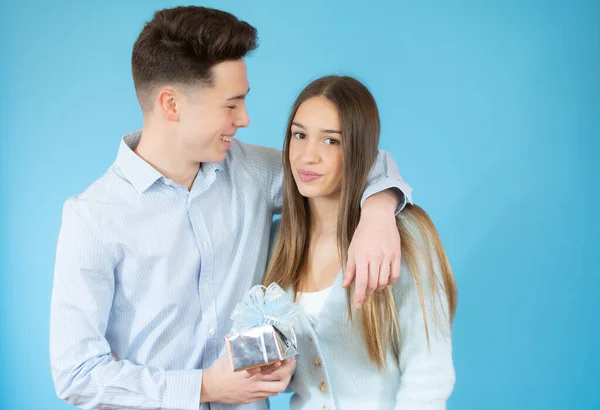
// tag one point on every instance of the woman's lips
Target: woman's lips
(308, 176)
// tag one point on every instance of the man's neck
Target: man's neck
(156, 150)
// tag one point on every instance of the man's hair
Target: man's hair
(181, 45)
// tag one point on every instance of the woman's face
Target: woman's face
(316, 150)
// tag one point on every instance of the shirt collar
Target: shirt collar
(137, 171)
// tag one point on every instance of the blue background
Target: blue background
(490, 108)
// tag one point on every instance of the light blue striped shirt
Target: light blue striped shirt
(151, 272)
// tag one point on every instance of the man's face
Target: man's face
(209, 116)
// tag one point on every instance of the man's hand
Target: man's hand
(374, 253)
(221, 384)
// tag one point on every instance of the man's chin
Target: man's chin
(216, 157)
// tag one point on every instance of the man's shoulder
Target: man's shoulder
(110, 188)
(254, 161)
(241, 151)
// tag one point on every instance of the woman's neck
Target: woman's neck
(322, 263)
(323, 216)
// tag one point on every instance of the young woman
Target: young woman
(395, 352)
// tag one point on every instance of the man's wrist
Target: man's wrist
(206, 392)
(382, 203)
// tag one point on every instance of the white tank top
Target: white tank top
(313, 302)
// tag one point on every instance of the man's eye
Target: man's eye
(232, 107)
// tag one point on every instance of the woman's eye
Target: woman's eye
(299, 135)
(331, 141)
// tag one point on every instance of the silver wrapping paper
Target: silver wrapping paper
(259, 346)
(263, 328)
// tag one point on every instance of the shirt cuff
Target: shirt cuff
(403, 190)
(183, 390)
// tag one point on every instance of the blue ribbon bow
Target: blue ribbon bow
(266, 306)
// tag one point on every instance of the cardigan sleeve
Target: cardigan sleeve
(427, 370)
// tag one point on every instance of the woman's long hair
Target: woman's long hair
(359, 120)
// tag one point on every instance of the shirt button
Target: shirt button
(211, 331)
(205, 288)
(317, 362)
(205, 244)
(323, 387)
(310, 337)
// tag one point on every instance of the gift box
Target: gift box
(263, 328)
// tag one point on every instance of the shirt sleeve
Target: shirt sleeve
(427, 370)
(384, 175)
(84, 372)
(266, 164)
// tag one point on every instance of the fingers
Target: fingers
(350, 270)
(361, 283)
(252, 372)
(395, 269)
(270, 368)
(277, 381)
(272, 388)
(374, 268)
(275, 371)
(384, 276)
(285, 369)
(270, 378)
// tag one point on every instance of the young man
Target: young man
(153, 257)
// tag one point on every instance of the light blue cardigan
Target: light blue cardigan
(334, 371)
